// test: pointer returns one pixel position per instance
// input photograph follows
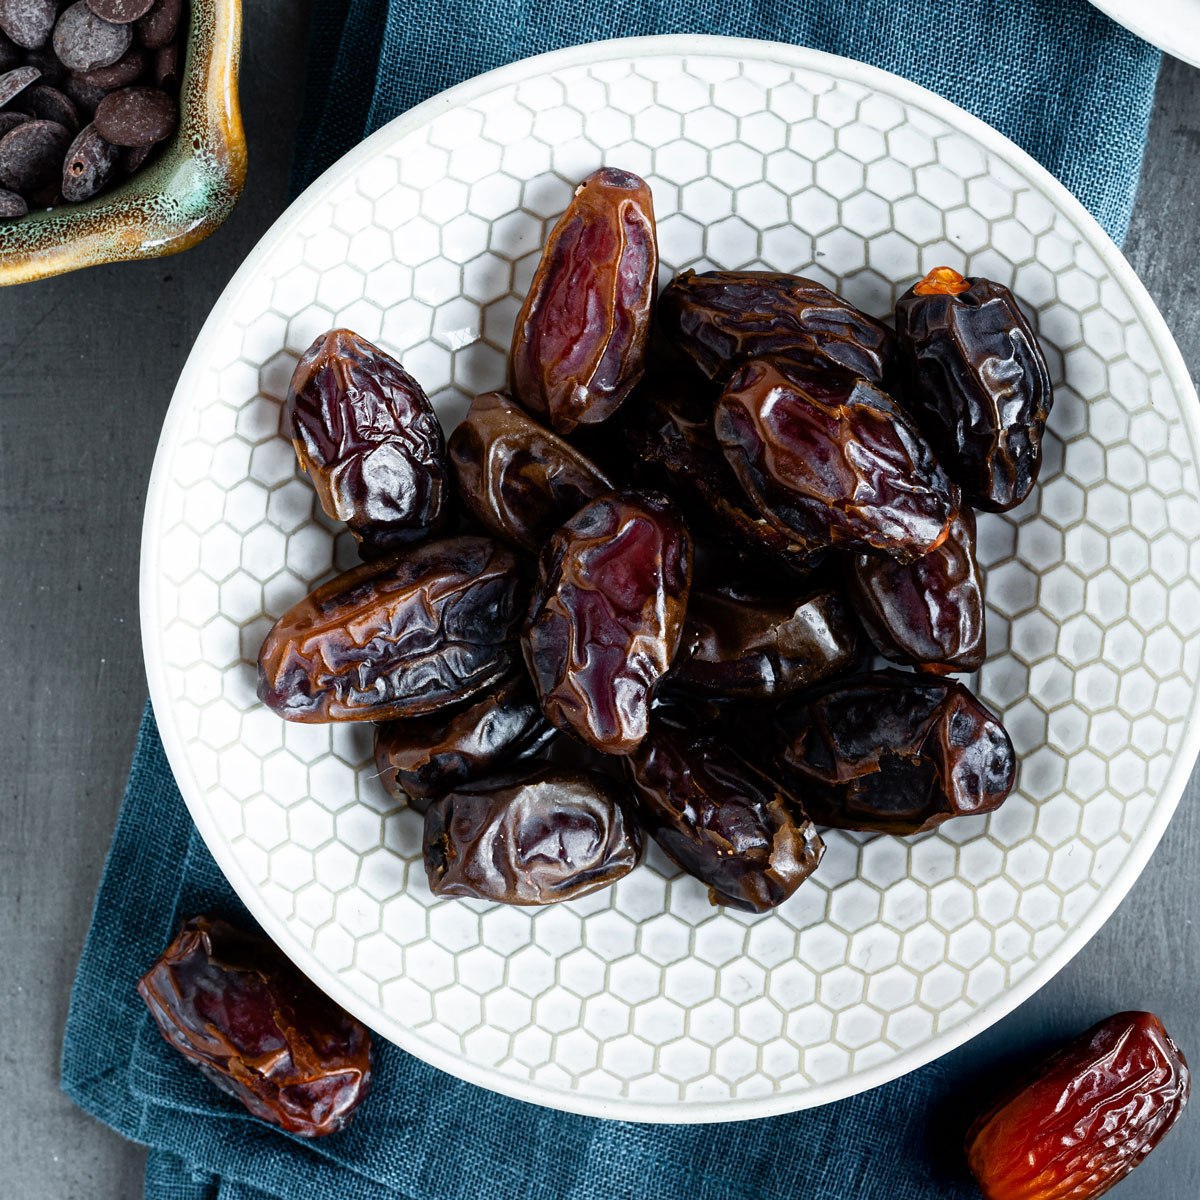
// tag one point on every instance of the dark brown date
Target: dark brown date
(367, 436)
(721, 319)
(233, 1005)
(893, 752)
(607, 614)
(579, 345)
(409, 635)
(831, 460)
(755, 647)
(428, 756)
(928, 613)
(977, 383)
(515, 477)
(718, 817)
(1085, 1118)
(553, 835)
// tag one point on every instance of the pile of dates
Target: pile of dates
(634, 594)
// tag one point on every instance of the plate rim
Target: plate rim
(1149, 23)
(624, 1108)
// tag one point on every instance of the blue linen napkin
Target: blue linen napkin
(1060, 79)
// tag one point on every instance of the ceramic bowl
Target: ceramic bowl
(171, 204)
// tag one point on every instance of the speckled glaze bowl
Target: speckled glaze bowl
(176, 201)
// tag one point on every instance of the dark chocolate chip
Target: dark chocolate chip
(47, 196)
(122, 73)
(89, 165)
(10, 53)
(10, 120)
(132, 157)
(158, 26)
(136, 116)
(46, 61)
(28, 22)
(49, 104)
(16, 81)
(84, 41)
(31, 155)
(166, 65)
(11, 205)
(85, 96)
(120, 12)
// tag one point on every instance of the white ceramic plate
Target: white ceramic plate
(643, 1001)
(1171, 25)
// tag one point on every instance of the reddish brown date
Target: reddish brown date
(607, 615)
(409, 635)
(516, 478)
(368, 438)
(928, 613)
(831, 460)
(755, 647)
(718, 817)
(1087, 1116)
(234, 1006)
(553, 835)
(721, 319)
(976, 380)
(428, 756)
(893, 752)
(579, 345)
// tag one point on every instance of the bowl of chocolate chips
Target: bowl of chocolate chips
(120, 131)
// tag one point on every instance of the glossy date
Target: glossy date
(515, 477)
(928, 613)
(977, 383)
(607, 614)
(579, 345)
(233, 1005)
(424, 757)
(398, 638)
(1087, 1117)
(369, 440)
(721, 319)
(721, 819)
(831, 460)
(893, 752)
(552, 835)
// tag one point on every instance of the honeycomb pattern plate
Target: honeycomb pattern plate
(643, 1001)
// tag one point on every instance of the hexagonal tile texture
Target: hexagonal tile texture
(644, 994)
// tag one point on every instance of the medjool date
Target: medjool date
(1087, 1117)
(976, 382)
(579, 345)
(721, 319)
(607, 614)
(929, 612)
(367, 436)
(756, 647)
(397, 638)
(554, 835)
(516, 478)
(231, 1003)
(427, 756)
(720, 818)
(894, 752)
(832, 460)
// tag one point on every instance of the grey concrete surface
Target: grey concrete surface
(87, 366)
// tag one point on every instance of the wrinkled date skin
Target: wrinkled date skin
(368, 438)
(579, 346)
(977, 383)
(831, 460)
(718, 817)
(398, 638)
(607, 615)
(757, 647)
(428, 756)
(928, 613)
(893, 752)
(516, 478)
(231, 1003)
(669, 434)
(1087, 1117)
(553, 835)
(721, 319)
